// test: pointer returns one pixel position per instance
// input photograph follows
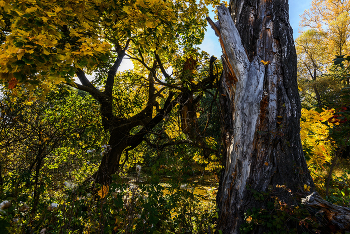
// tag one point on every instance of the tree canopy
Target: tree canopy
(50, 42)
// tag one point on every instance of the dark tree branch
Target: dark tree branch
(106, 108)
(136, 139)
(165, 74)
(142, 60)
(84, 80)
(113, 70)
(159, 93)
(168, 85)
(208, 82)
(145, 115)
(139, 60)
(94, 92)
(211, 68)
(151, 89)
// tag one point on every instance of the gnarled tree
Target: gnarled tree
(43, 43)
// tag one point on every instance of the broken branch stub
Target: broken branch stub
(231, 43)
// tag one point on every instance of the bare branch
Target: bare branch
(140, 60)
(167, 85)
(165, 74)
(94, 92)
(168, 105)
(113, 70)
(231, 43)
(84, 80)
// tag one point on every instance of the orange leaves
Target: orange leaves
(12, 83)
(103, 191)
(249, 219)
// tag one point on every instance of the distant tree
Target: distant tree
(326, 40)
(331, 17)
(328, 32)
(312, 63)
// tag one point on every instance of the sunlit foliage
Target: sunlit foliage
(332, 18)
(44, 41)
(314, 135)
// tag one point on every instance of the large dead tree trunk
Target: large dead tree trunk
(261, 110)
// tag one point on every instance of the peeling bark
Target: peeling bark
(263, 147)
(261, 114)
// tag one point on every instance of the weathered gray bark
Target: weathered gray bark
(263, 147)
(261, 116)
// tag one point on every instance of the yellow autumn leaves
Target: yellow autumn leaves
(314, 135)
(46, 40)
(330, 17)
(41, 39)
(153, 20)
(157, 10)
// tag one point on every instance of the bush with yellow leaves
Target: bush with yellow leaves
(314, 135)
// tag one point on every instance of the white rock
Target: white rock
(5, 204)
(183, 186)
(69, 184)
(52, 206)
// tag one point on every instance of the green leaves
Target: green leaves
(4, 225)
